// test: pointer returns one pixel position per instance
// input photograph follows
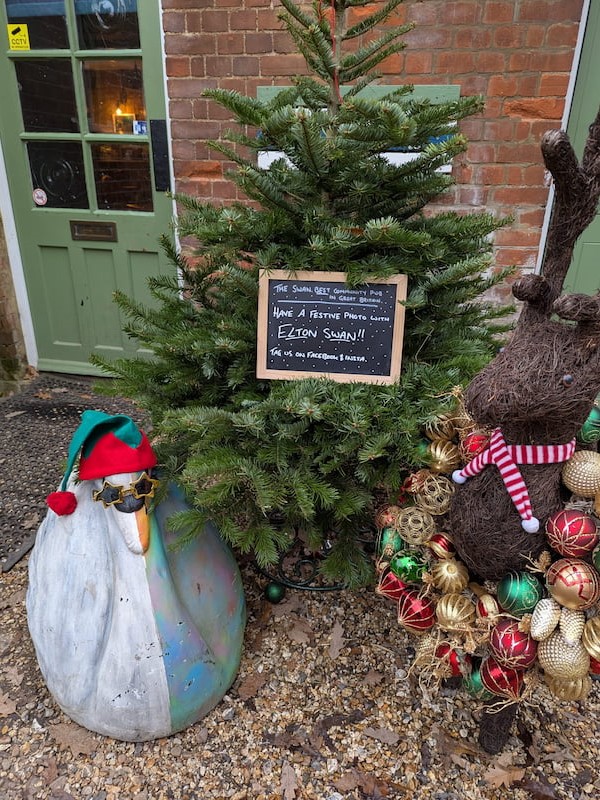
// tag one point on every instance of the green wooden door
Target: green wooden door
(85, 143)
(584, 274)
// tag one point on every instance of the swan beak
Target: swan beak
(142, 521)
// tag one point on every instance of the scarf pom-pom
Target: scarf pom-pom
(458, 477)
(531, 525)
(62, 503)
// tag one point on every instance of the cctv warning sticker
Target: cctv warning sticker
(18, 36)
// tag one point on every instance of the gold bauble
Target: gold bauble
(571, 624)
(544, 619)
(415, 525)
(581, 475)
(440, 429)
(445, 456)
(562, 660)
(425, 648)
(455, 612)
(590, 637)
(577, 689)
(435, 494)
(463, 421)
(449, 575)
(488, 609)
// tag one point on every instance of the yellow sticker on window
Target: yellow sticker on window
(18, 36)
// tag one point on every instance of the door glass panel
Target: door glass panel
(115, 95)
(122, 175)
(47, 95)
(43, 24)
(107, 23)
(57, 169)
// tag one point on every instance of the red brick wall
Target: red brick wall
(516, 53)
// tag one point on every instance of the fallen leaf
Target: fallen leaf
(77, 739)
(448, 745)
(369, 785)
(335, 721)
(13, 675)
(14, 599)
(336, 643)
(50, 772)
(384, 735)
(537, 790)
(500, 775)
(252, 684)
(373, 677)
(300, 630)
(295, 737)
(43, 395)
(7, 705)
(291, 603)
(13, 414)
(289, 781)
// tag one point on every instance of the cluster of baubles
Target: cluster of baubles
(502, 639)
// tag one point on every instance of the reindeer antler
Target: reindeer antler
(577, 190)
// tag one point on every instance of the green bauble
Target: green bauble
(596, 557)
(390, 542)
(474, 686)
(274, 592)
(423, 449)
(408, 567)
(590, 430)
(519, 592)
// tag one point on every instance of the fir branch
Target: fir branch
(247, 110)
(368, 23)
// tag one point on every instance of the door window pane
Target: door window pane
(122, 175)
(47, 95)
(44, 23)
(107, 23)
(57, 169)
(115, 95)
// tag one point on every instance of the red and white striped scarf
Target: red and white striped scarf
(506, 457)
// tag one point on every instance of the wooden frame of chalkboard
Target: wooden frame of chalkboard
(313, 324)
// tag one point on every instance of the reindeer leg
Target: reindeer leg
(494, 728)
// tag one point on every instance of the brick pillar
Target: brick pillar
(13, 358)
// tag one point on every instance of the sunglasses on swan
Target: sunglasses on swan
(111, 494)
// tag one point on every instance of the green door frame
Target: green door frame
(137, 233)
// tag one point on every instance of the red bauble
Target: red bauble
(454, 659)
(441, 546)
(573, 583)
(572, 533)
(594, 666)
(511, 647)
(390, 586)
(501, 680)
(415, 612)
(473, 444)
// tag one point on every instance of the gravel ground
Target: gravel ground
(322, 708)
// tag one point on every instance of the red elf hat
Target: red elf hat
(108, 445)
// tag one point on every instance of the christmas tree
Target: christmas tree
(270, 461)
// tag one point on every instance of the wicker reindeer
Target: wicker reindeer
(538, 391)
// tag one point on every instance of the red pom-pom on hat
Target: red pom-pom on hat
(62, 503)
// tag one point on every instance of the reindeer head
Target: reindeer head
(542, 385)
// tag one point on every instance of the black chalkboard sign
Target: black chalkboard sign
(312, 323)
